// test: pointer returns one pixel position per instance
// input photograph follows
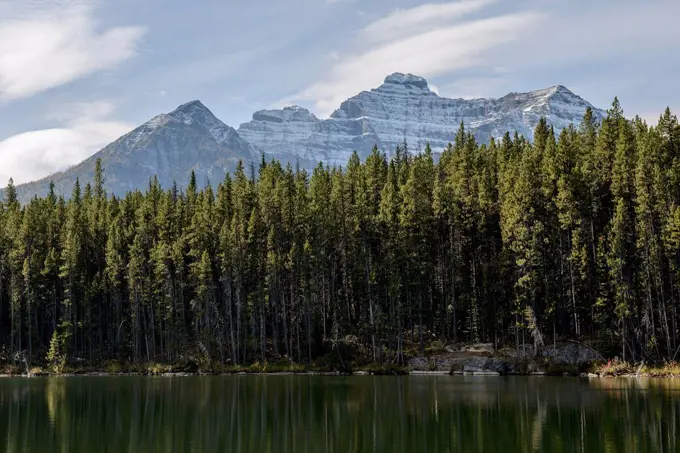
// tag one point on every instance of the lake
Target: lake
(338, 414)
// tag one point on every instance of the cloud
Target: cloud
(45, 45)
(433, 48)
(85, 130)
(402, 22)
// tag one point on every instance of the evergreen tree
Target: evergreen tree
(575, 237)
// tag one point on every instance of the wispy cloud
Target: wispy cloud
(84, 128)
(434, 42)
(403, 22)
(47, 44)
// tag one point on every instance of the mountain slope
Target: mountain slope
(402, 109)
(169, 146)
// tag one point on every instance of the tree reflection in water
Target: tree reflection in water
(337, 414)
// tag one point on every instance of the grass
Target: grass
(614, 368)
(669, 369)
(37, 371)
(156, 369)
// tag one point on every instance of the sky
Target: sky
(77, 74)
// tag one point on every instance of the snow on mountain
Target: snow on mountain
(168, 146)
(282, 133)
(402, 109)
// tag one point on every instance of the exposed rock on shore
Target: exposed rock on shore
(482, 359)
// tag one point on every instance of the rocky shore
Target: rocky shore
(571, 358)
(567, 359)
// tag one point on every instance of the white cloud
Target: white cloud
(403, 22)
(431, 49)
(36, 154)
(45, 45)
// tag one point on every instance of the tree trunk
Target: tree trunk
(370, 305)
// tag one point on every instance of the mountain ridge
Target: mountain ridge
(169, 146)
(402, 109)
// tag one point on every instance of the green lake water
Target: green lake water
(338, 414)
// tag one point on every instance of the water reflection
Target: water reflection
(336, 414)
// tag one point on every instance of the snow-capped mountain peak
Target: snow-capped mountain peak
(191, 111)
(169, 146)
(287, 114)
(197, 114)
(398, 78)
(558, 104)
(404, 108)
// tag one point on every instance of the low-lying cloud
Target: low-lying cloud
(85, 128)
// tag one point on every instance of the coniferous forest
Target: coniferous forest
(571, 237)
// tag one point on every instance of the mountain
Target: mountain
(169, 146)
(402, 109)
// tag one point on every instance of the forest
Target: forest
(569, 237)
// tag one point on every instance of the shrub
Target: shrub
(156, 369)
(56, 355)
(669, 369)
(113, 367)
(615, 367)
(36, 371)
(436, 346)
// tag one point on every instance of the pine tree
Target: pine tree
(622, 233)
(11, 197)
(577, 235)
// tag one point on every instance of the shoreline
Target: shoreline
(569, 360)
(344, 374)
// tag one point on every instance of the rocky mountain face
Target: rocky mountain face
(168, 146)
(402, 109)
